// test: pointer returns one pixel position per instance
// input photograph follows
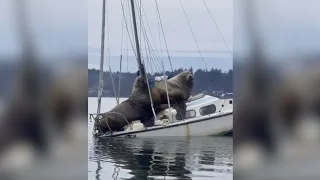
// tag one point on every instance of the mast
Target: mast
(141, 67)
(100, 90)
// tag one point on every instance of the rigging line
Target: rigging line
(156, 66)
(127, 53)
(137, 4)
(119, 83)
(152, 50)
(164, 37)
(138, 28)
(108, 37)
(122, 22)
(150, 66)
(132, 28)
(108, 43)
(150, 96)
(153, 61)
(119, 78)
(100, 89)
(145, 34)
(217, 26)
(126, 47)
(114, 88)
(150, 55)
(125, 19)
(160, 39)
(148, 27)
(147, 39)
(193, 35)
(167, 92)
(154, 56)
(149, 44)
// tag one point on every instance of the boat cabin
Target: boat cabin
(202, 105)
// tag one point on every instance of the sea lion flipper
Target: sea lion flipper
(181, 109)
(163, 106)
(148, 122)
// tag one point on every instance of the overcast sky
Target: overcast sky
(58, 26)
(178, 36)
(288, 27)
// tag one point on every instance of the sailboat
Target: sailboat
(205, 115)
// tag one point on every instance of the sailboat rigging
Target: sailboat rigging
(100, 89)
(206, 115)
(140, 65)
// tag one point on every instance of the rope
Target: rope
(119, 85)
(164, 37)
(140, 21)
(100, 89)
(193, 35)
(114, 88)
(127, 53)
(108, 43)
(149, 90)
(163, 71)
(125, 19)
(120, 78)
(148, 26)
(148, 42)
(145, 34)
(108, 37)
(167, 92)
(217, 26)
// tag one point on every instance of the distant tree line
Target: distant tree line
(205, 81)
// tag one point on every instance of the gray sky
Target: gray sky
(58, 27)
(287, 28)
(179, 39)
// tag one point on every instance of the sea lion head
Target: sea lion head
(186, 77)
(140, 92)
(138, 84)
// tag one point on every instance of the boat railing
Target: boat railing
(97, 117)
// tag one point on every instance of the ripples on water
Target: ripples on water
(161, 158)
(199, 158)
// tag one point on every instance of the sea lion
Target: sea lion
(179, 90)
(136, 107)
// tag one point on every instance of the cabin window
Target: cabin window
(230, 101)
(208, 110)
(189, 114)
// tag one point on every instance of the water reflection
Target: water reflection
(170, 158)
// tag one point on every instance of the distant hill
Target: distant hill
(213, 80)
(210, 81)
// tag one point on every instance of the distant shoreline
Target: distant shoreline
(210, 82)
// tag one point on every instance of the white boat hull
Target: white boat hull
(204, 126)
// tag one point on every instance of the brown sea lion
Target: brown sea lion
(136, 107)
(179, 90)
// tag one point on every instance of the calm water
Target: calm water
(199, 158)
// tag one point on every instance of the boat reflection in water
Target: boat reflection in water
(155, 158)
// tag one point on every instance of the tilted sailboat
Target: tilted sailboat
(205, 115)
